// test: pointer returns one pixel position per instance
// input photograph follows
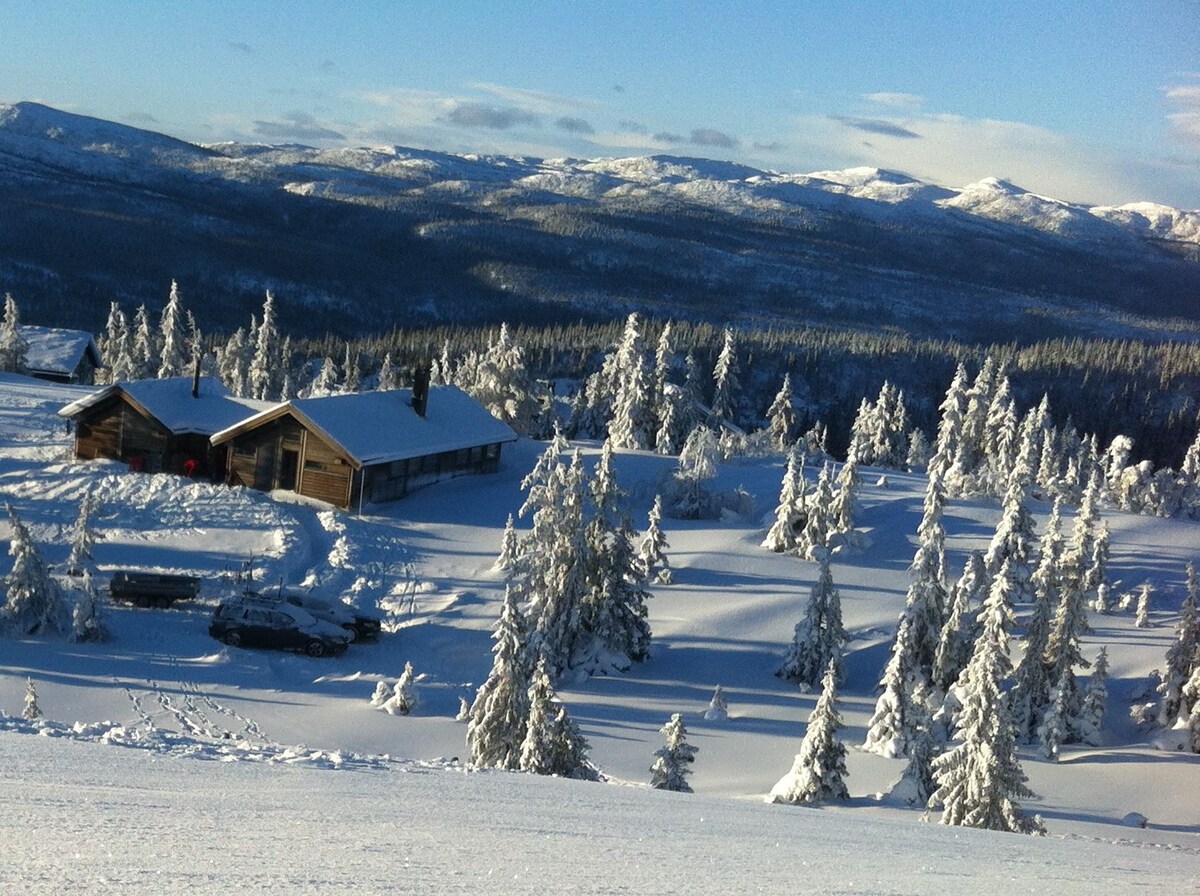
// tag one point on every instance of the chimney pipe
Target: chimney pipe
(420, 389)
(196, 378)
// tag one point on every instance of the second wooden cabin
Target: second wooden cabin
(363, 447)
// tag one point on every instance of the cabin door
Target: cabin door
(289, 465)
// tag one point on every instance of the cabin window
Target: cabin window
(241, 451)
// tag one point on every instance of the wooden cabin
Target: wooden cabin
(363, 447)
(159, 426)
(61, 356)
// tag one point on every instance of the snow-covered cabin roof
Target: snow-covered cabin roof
(57, 351)
(380, 427)
(171, 403)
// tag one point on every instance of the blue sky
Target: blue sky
(1095, 102)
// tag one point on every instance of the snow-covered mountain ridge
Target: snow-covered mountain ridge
(492, 236)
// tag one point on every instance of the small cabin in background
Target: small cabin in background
(61, 356)
(159, 426)
(364, 447)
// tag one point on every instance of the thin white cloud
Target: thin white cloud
(895, 100)
(1184, 101)
(534, 100)
(955, 151)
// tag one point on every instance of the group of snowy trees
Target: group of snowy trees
(581, 577)
(575, 601)
(516, 721)
(1179, 685)
(37, 602)
(651, 400)
(950, 698)
(812, 523)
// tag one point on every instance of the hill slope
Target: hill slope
(340, 814)
(365, 239)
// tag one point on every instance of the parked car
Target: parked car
(255, 623)
(356, 623)
(146, 589)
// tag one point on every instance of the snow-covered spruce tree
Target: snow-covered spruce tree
(87, 621)
(34, 604)
(509, 550)
(633, 420)
(145, 345)
(1014, 541)
(1183, 656)
(552, 575)
(1095, 699)
(464, 710)
(499, 714)
(964, 476)
(1191, 692)
(781, 417)
(727, 386)
(113, 327)
(1055, 727)
(30, 711)
(231, 363)
(652, 552)
(957, 639)
(388, 377)
(326, 382)
(172, 359)
(880, 433)
(1095, 574)
(1079, 551)
(404, 697)
(499, 380)
(980, 779)
(1001, 439)
(949, 434)
(893, 727)
(925, 602)
(789, 514)
(813, 538)
(665, 363)
(613, 615)
(672, 761)
(819, 772)
(819, 637)
(919, 451)
(1031, 689)
(718, 706)
(553, 744)
(1142, 619)
(844, 506)
(382, 692)
(697, 465)
(83, 538)
(122, 368)
(13, 346)
(352, 379)
(916, 784)
(265, 374)
(813, 443)
(861, 431)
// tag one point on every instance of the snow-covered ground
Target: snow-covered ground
(308, 788)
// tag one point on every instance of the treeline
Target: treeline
(1146, 390)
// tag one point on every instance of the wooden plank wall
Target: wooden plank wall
(114, 429)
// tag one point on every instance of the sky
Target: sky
(1095, 102)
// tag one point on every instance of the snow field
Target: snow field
(427, 562)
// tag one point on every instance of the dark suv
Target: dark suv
(277, 625)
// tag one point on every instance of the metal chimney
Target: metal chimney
(196, 378)
(420, 389)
